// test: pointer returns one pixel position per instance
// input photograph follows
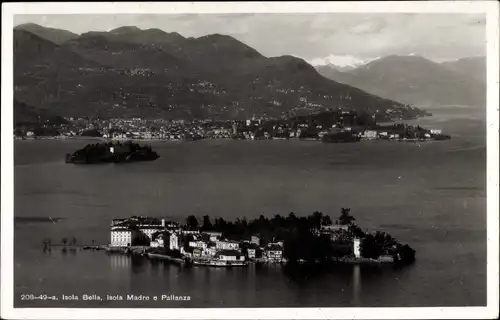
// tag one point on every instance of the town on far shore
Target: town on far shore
(290, 240)
(330, 126)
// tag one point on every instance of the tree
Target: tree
(316, 219)
(207, 225)
(356, 231)
(186, 241)
(364, 119)
(370, 248)
(345, 218)
(140, 239)
(192, 222)
(406, 254)
(91, 133)
(64, 241)
(326, 221)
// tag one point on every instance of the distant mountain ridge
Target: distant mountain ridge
(56, 36)
(151, 73)
(416, 80)
(340, 62)
(25, 115)
(474, 67)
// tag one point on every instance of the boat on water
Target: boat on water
(219, 263)
(114, 152)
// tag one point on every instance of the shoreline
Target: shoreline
(188, 140)
(347, 260)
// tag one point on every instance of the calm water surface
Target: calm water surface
(432, 197)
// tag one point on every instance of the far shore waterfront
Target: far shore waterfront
(86, 138)
(82, 138)
(330, 126)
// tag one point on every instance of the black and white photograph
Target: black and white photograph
(250, 160)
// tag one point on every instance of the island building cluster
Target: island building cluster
(188, 243)
(160, 236)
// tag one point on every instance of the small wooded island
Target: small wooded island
(112, 152)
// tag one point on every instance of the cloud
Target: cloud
(369, 27)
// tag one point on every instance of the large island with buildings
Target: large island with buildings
(292, 240)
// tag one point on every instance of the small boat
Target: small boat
(219, 263)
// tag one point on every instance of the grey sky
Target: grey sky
(435, 36)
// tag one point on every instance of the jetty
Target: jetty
(158, 256)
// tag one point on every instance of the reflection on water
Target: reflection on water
(254, 286)
(356, 283)
(118, 261)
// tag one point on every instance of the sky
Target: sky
(340, 38)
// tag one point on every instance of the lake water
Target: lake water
(432, 197)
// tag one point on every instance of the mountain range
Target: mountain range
(151, 73)
(418, 81)
(341, 62)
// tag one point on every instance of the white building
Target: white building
(121, 237)
(155, 244)
(198, 244)
(210, 251)
(214, 236)
(276, 243)
(170, 224)
(149, 232)
(370, 134)
(356, 247)
(158, 242)
(255, 240)
(335, 227)
(252, 253)
(436, 131)
(230, 255)
(274, 253)
(227, 245)
(190, 231)
(174, 241)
